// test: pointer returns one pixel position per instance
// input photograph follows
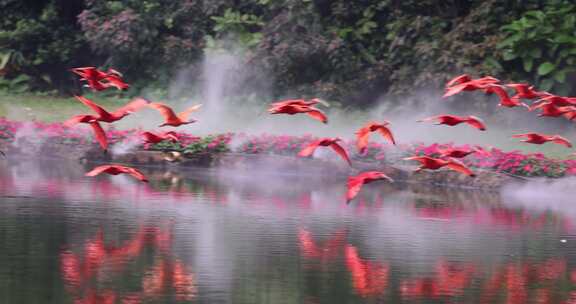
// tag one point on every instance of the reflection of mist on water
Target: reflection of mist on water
(543, 195)
(231, 227)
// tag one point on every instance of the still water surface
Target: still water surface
(217, 237)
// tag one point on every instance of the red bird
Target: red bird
(355, 183)
(558, 101)
(550, 110)
(115, 80)
(427, 162)
(104, 116)
(99, 133)
(297, 109)
(505, 100)
(98, 80)
(117, 169)
(370, 279)
(363, 134)
(538, 139)
(298, 102)
(173, 119)
(471, 85)
(452, 120)
(455, 152)
(93, 76)
(526, 91)
(458, 80)
(151, 138)
(325, 142)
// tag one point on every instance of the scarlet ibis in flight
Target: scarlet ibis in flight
(99, 80)
(551, 110)
(105, 116)
(93, 76)
(558, 101)
(297, 109)
(455, 152)
(471, 85)
(325, 142)
(355, 183)
(117, 169)
(80, 119)
(526, 91)
(538, 139)
(452, 120)
(427, 162)
(152, 138)
(173, 119)
(297, 102)
(363, 134)
(114, 79)
(458, 80)
(99, 133)
(505, 99)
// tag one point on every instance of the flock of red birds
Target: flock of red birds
(550, 105)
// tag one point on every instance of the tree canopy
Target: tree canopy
(353, 50)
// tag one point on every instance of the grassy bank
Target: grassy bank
(49, 108)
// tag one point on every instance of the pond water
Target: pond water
(219, 237)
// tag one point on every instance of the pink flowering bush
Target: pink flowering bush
(291, 145)
(511, 162)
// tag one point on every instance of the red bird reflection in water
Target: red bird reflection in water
(369, 278)
(328, 251)
(82, 270)
(165, 274)
(450, 280)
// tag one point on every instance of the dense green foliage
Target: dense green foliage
(341, 49)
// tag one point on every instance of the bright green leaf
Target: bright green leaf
(546, 68)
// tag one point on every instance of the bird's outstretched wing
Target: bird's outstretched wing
(476, 123)
(100, 135)
(355, 184)
(135, 173)
(318, 115)
(98, 170)
(341, 151)
(164, 110)
(362, 136)
(309, 150)
(184, 114)
(134, 105)
(150, 137)
(387, 134)
(459, 167)
(523, 135)
(92, 105)
(458, 80)
(78, 119)
(561, 141)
